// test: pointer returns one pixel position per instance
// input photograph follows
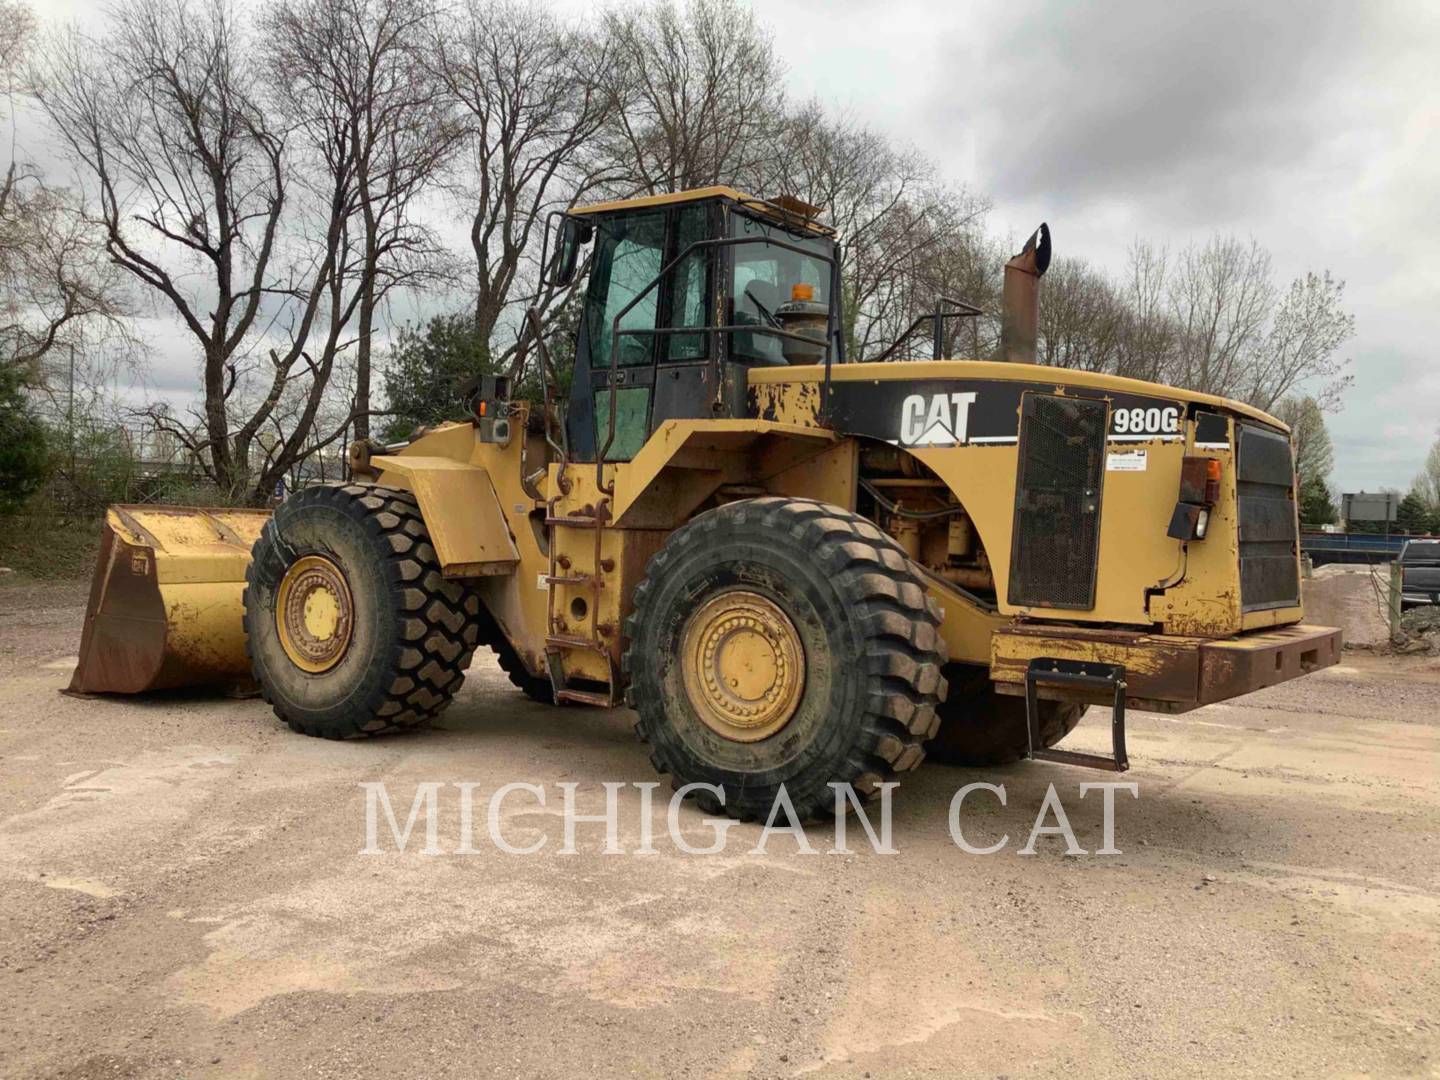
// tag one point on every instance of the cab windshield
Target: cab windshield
(765, 277)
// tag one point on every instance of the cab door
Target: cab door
(658, 375)
(629, 253)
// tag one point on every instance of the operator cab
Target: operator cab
(671, 328)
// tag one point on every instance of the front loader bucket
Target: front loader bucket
(165, 606)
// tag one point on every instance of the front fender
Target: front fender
(461, 512)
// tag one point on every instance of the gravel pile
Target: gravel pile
(1354, 598)
(1419, 631)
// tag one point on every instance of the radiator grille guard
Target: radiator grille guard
(1265, 500)
(1057, 502)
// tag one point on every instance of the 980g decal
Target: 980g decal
(1136, 423)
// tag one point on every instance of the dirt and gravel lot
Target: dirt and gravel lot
(182, 894)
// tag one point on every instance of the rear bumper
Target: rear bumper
(1167, 674)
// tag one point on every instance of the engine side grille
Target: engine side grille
(1265, 495)
(1056, 544)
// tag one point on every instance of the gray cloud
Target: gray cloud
(1314, 127)
(1137, 100)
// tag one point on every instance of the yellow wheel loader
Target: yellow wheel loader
(796, 569)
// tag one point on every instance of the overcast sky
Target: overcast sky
(1314, 127)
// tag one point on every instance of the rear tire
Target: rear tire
(536, 687)
(981, 727)
(825, 588)
(411, 632)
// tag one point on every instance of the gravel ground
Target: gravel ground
(182, 894)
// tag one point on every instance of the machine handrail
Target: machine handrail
(939, 315)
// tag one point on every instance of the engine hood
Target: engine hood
(929, 375)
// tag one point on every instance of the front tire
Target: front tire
(783, 642)
(351, 628)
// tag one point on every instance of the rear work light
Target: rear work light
(1199, 492)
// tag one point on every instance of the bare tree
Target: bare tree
(906, 237)
(529, 95)
(1238, 337)
(694, 94)
(58, 289)
(1147, 346)
(1306, 331)
(1083, 319)
(967, 267)
(1212, 322)
(1314, 454)
(902, 260)
(1220, 297)
(1427, 482)
(162, 112)
(57, 286)
(352, 75)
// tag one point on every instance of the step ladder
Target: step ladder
(559, 641)
(1104, 678)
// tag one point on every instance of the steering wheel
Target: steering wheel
(769, 318)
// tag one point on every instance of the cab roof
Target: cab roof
(783, 209)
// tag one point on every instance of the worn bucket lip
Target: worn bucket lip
(128, 643)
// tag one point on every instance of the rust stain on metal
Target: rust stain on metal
(1182, 671)
(1020, 298)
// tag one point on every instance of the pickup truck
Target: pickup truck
(1420, 573)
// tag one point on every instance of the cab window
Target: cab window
(628, 255)
(764, 278)
(689, 285)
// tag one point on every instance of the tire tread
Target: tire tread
(903, 654)
(438, 634)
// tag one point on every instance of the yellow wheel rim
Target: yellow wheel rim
(744, 666)
(314, 614)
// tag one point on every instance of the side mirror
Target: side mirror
(574, 234)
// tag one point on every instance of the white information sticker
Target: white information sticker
(541, 583)
(1127, 461)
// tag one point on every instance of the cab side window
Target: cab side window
(628, 255)
(689, 285)
(765, 278)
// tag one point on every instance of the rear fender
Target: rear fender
(687, 461)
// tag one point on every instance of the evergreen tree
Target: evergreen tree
(1413, 516)
(1316, 506)
(23, 459)
(425, 370)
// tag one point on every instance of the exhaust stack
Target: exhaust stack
(1020, 298)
